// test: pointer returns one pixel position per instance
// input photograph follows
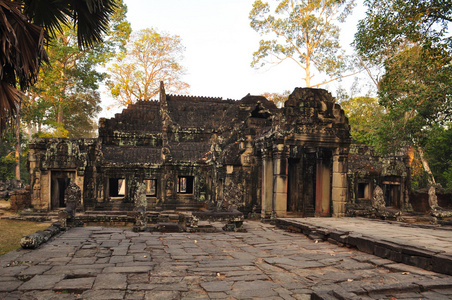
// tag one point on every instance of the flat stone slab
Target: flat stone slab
(75, 285)
(41, 282)
(216, 286)
(136, 269)
(8, 286)
(110, 281)
(104, 295)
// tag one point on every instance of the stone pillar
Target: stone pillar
(140, 203)
(267, 186)
(280, 172)
(322, 195)
(45, 197)
(339, 192)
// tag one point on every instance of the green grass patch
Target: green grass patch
(11, 231)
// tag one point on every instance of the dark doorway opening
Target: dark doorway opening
(117, 187)
(392, 195)
(60, 181)
(185, 184)
(294, 201)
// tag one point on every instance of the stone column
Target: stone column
(45, 197)
(322, 195)
(267, 186)
(339, 192)
(280, 172)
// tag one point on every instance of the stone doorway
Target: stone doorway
(323, 183)
(301, 185)
(392, 195)
(60, 181)
(294, 199)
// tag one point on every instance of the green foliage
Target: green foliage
(7, 156)
(392, 24)
(88, 18)
(66, 99)
(364, 116)
(65, 96)
(305, 32)
(416, 90)
(411, 42)
(26, 28)
(7, 159)
(439, 153)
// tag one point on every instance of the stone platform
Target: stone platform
(263, 263)
(421, 245)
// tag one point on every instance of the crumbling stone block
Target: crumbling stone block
(20, 199)
(34, 240)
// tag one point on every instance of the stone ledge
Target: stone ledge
(338, 292)
(422, 258)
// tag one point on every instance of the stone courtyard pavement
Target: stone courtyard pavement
(263, 263)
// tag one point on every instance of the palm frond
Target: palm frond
(91, 18)
(22, 48)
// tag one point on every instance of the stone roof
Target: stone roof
(193, 127)
(131, 155)
(190, 151)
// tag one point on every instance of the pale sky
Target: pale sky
(219, 45)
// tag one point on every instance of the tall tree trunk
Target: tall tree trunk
(61, 96)
(60, 113)
(430, 177)
(308, 72)
(18, 143)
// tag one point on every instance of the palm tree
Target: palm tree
(25, 29)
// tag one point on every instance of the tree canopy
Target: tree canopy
(411, 42)
(277, 98)
(391, 25)
(305, 32)
(149, 58)
(25, 29)
(417, 92)
(364, 116)
(65, 97)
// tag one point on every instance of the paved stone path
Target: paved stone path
(262, 263)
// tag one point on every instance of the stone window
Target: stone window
(117, 187)
(363, 190)
(151, 187)
(185, 185)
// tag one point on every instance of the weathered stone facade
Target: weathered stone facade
(368, 171)
(194, 152)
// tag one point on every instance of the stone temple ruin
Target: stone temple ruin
(198, 152)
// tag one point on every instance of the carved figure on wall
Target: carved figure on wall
(37, 187)
(432, 198)
(140, 202)
(437, 212)
(233, 194)
(72, 197)
(380, 210)
(378, 198)
(169, 186)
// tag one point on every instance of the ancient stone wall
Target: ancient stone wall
(194, 152)
(367, 171)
